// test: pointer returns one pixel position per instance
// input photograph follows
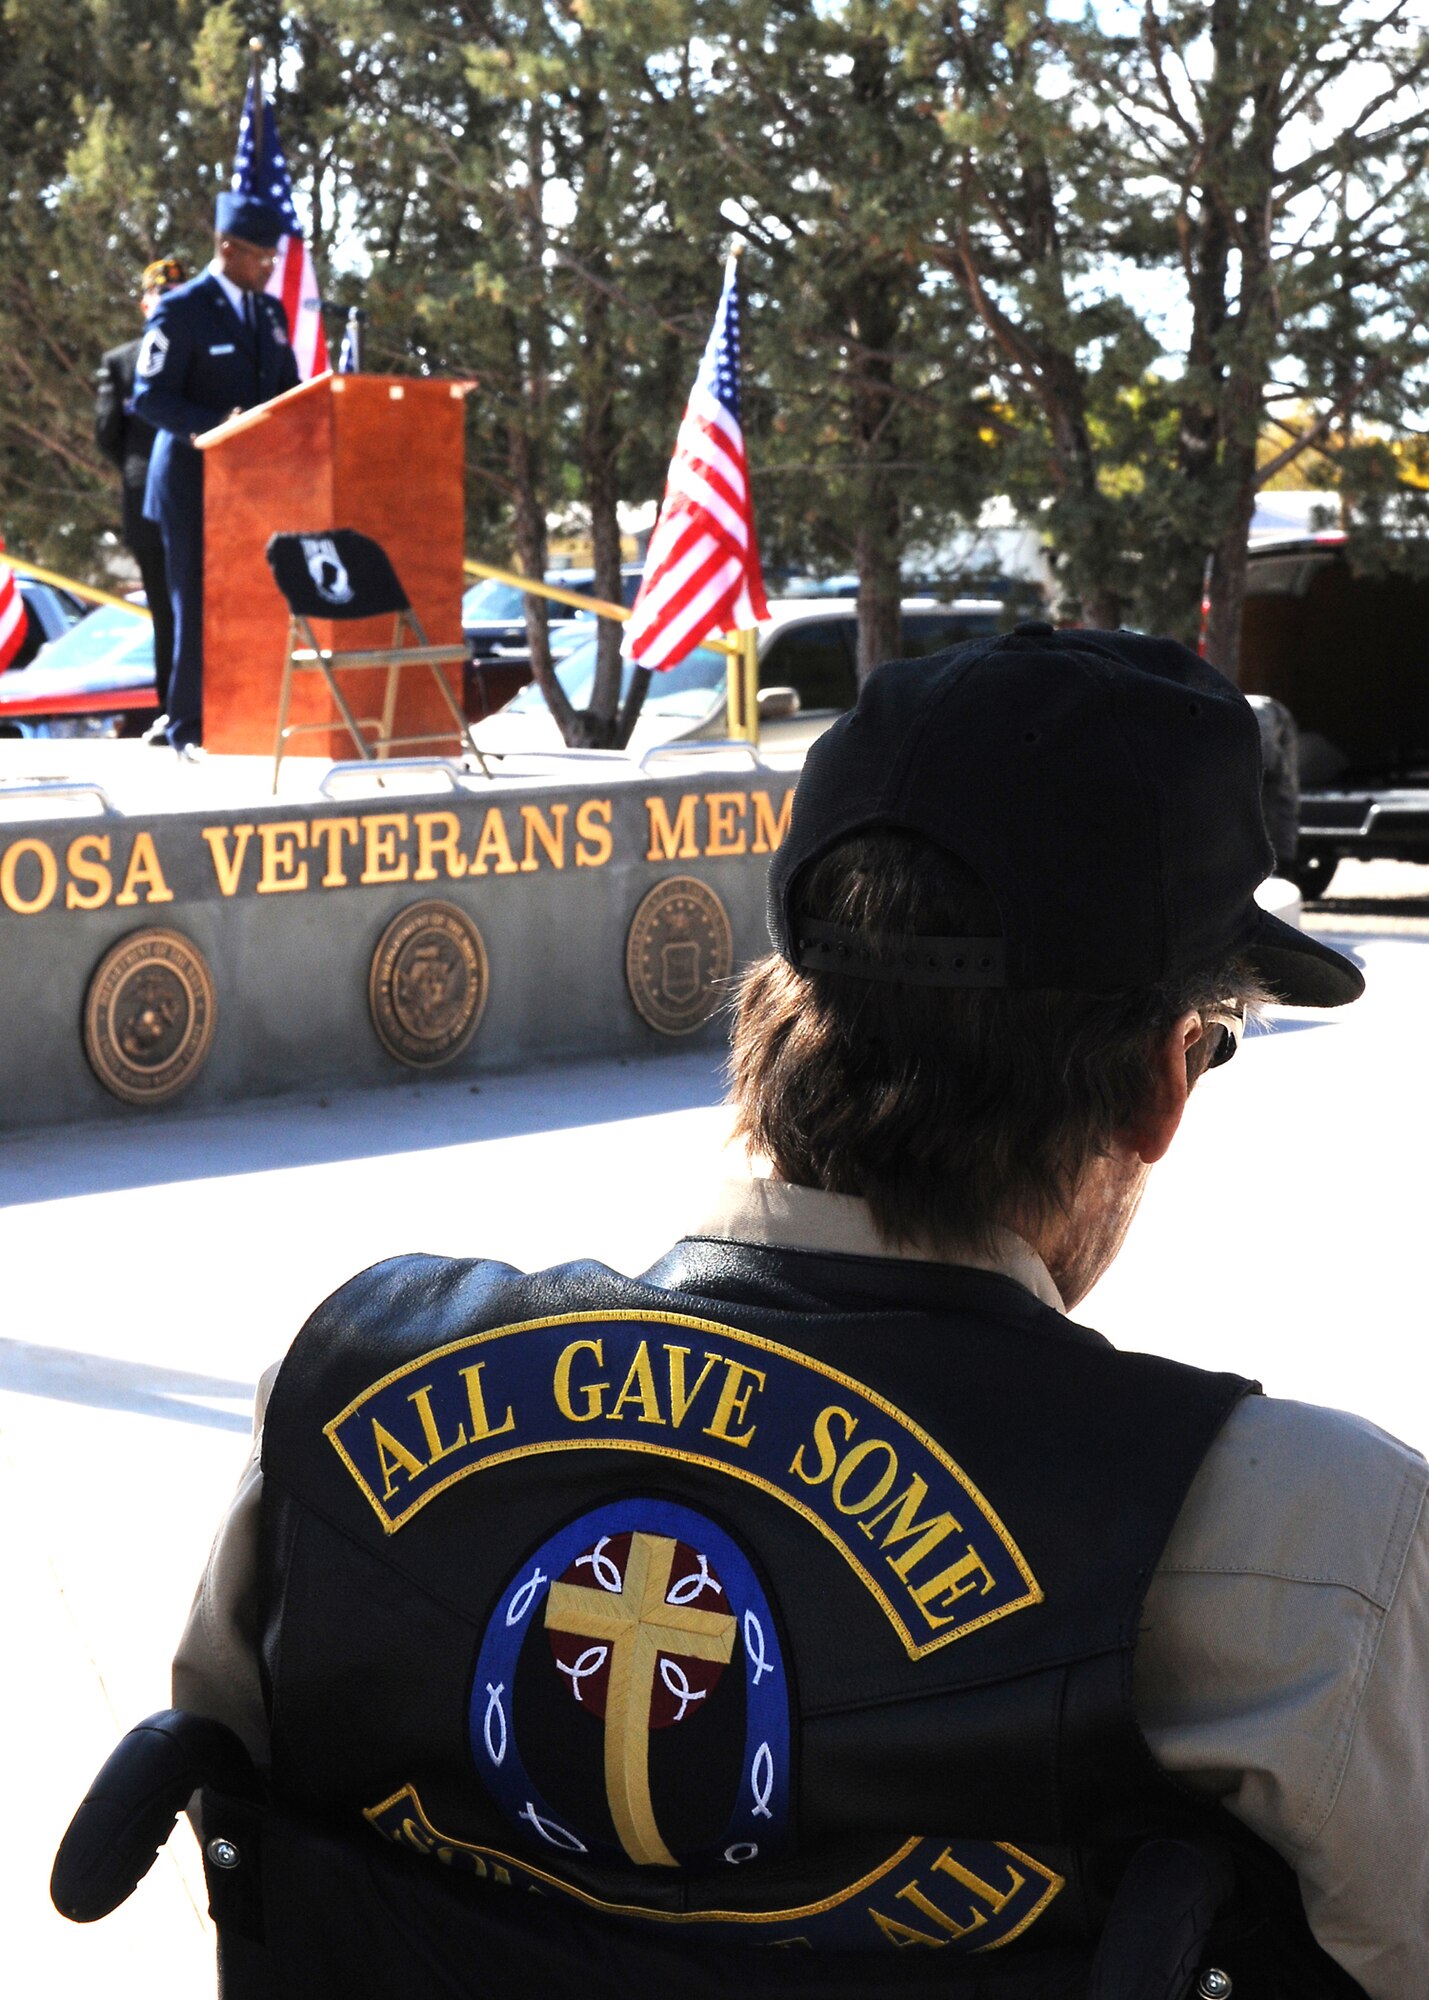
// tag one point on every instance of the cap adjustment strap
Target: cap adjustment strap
(906, 960)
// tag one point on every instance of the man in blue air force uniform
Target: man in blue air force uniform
(213, 347)
(826, 1587)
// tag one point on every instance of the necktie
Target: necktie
(250, 312)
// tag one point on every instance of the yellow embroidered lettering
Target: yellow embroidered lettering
(227, 863)
(144, 869)
(639, 1387)
(331, 833)
(39, 852)
(881, 1480)
(421, 1399)
(393, 1457)
(672, 840)
(940, 1593)
(85, 861)
(550, 833)
(906, 1525)
(382, 831)
(769, 829)
(824, 1444)
(438, 833)
(901, 1934)
(592, 1391)
(594, 844)
(680, 1401)
(996, 1899)
(924, 1904)
(279, 839)
(726, 822)
(481, 1425)
(492, 842)
(734, 1401)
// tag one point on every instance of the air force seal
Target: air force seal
(631, 1701)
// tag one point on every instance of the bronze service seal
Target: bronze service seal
(678, 955)
(428, 984)
(149, 1016)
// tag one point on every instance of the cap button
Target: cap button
(1037, 628)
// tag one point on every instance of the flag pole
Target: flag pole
(255, 78)
(742, 667)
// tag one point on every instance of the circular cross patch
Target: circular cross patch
(630, 1701)
(149, 1016)
(428, 984)
(678, 955)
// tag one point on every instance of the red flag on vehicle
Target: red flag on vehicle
(14, 622)
(702, 572)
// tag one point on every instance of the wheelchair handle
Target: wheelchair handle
(130, 1809)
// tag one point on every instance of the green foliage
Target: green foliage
(1089, 263)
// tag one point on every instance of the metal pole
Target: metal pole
(734, 685)
(749, 642)
(255, 78)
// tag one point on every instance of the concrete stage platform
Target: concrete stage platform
(153, 1269)
(367, 922)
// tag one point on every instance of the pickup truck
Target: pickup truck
(1345, 651)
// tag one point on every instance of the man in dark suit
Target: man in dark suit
(127, 442)
(214, 346)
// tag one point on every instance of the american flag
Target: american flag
(261, 172)
(13, 622)
(702, 571)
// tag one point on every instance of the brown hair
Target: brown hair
(949, 1110)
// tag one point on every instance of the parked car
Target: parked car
(1346, 654)
(493, 622)
(96, 677)
(807, 677)
(49, 613)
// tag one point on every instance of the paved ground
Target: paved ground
(152, 1271)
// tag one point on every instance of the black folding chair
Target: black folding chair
(307, 1909)
(339, 574)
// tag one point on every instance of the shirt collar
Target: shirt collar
(784, 1217)
(233, 293)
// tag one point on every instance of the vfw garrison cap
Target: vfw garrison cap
(1104, 786)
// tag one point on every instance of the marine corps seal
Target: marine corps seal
(678, 955)
(149, 1016)
(428, 984)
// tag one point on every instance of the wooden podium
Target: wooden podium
(380, 453)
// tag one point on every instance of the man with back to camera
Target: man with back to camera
(825, 1586)
(213, 347)
(128, 443)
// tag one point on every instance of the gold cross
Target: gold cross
(638, 1624)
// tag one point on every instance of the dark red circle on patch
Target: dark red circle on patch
(682, 1680)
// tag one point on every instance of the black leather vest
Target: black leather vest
(772, 1597)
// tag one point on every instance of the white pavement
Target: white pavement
(152, 1272)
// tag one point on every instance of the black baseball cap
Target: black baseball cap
(1104, 786)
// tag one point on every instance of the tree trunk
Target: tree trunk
(596, 384)
(598, 465)
(880, 576)
(878, 531)
(530, 340)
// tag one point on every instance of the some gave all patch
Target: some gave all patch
(909, 1522)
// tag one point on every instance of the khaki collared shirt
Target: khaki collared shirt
(1283, 1662)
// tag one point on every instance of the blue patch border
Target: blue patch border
(760, 1818)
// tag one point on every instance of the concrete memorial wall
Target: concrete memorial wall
(193, 958)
